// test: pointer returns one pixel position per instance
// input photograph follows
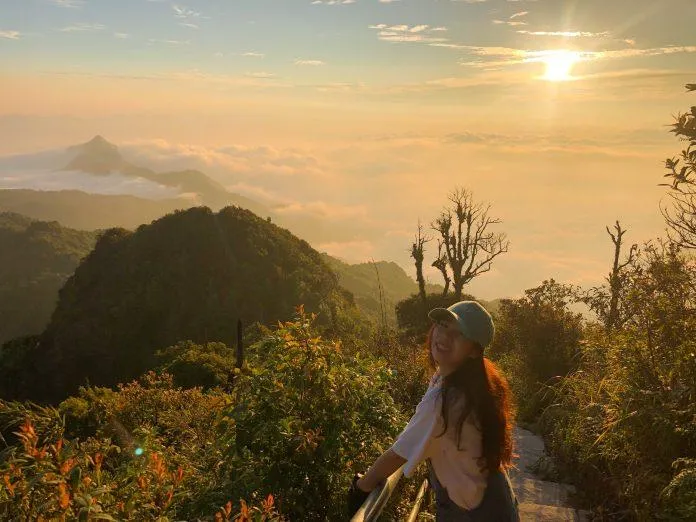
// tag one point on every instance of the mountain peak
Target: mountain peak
(98, 139)
(97, 156)
(99, 144)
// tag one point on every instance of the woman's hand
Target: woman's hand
(383, 467)
(356, 495)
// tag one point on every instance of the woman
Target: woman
(462, 426)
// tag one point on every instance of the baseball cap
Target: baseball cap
(474, 321)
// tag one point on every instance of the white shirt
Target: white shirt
(456, 470)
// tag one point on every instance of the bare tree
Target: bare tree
(418, 254)
(615, 279)
(441, 264)
(608, 301)
(681, 219)
(469, 245)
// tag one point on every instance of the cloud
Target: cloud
(605, 36)
(332, 2)
(567, 34)
(655, 51)
(512, 23)
(324, 210)
(628, 144)
(262, 75)
(309, 62)
(71, 4)
(421, 33)
(192, 76)
(302, 190)
(253, 54)
(341, 87)
(37, 172)
(513, 20)
(168, 41)
(184, 12)
(505, 56)
(10, 35)
(83, 27)
(229, 164)
(122, 36)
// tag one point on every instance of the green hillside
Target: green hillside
(36, 258)
(189, 275)
(362, 281)
(30, 311)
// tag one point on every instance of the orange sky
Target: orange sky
(368, 114)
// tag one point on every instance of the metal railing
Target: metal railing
(419, 500)
(379, 497)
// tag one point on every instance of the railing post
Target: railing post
(240, 346)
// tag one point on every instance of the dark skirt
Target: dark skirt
(499, 502)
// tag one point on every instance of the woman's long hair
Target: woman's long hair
(487, 393)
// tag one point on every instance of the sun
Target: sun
(559, 65)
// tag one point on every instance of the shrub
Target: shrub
(46, 477)
(207, 365)
(623, 424)
(537, 342)
(306, 417)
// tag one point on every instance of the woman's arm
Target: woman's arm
(383, 467)
(412, 442)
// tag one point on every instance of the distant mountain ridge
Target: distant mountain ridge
(85, 211)
(364, 279)
(100, 157)
(93, 185)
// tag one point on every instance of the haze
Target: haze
(366, 113)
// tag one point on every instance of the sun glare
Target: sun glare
(559, 65)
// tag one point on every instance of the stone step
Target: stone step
(540, 513)
(542, 492)
(529, 447)
(540, 500)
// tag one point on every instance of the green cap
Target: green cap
(473, 319)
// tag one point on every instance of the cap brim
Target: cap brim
(442, 314)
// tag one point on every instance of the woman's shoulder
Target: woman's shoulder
(436, 379)
(433, 392)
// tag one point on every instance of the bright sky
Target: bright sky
(367, 112)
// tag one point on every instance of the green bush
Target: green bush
(622, 425)
(208, 365)
(306, 417)
(303, 416)
(537, 342)
(47, 477)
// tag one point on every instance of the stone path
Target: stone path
(540, 500)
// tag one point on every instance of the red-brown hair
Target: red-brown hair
(487, 393)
